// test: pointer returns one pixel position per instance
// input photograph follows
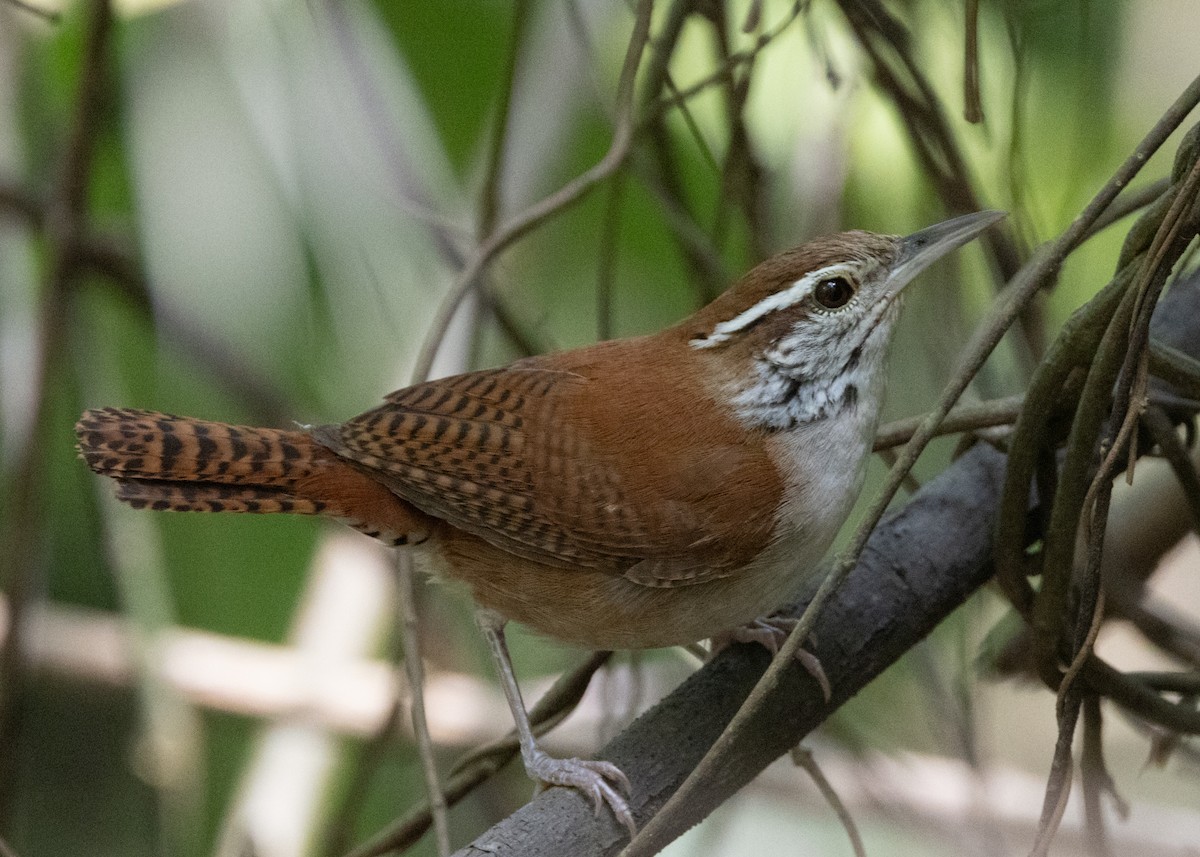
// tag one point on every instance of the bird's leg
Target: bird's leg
(598, 780)
(770, 633)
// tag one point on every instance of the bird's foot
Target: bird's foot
(602, 781)
(770, 632)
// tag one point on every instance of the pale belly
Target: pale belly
(599, 610)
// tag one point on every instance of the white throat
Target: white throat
(796, 383)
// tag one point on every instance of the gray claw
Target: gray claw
(770, 632)
(590, 777)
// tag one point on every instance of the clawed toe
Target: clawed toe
(813, 664)
(770, 633)
(603, 781)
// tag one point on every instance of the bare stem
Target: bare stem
(409, 628)
(477, 766)
(969, 417)
(803, 758)
(538, 213)
(64, 222)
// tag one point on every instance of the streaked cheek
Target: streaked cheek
(812, 346)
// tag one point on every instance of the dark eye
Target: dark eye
(834, 292)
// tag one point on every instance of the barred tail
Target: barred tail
(180, 464)
(166, 462)
(208, 497)
(130, 444)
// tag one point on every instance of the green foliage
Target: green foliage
(460, 85)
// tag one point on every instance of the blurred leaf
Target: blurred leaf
(461, 91)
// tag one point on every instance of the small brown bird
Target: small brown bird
(632, 494)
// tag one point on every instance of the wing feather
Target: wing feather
(493, 454)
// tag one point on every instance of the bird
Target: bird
(635, 493)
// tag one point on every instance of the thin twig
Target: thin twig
(889, 45)
(536, 214)
(1176, 368)
(1160, 628)
(526, 342)
(659, 162)
(407, 830)
(410, 194)
(341, 820)
(1029, 457)
(1187, 683)
(489, 197)
(489, 208)
(695, 246)
(741, 173)
(888, 456)
(711, 275)
(922, 114)
(1140, 700)
(915, 561)
(410, 631)
(110, 257)
(972, 103)
(1069, 699)
(63, 223)
(803, 758)
(1172, 449)
(1095, 779)
(1129, 202)
(477, 766)
(664, 104)
(1128, 342)
(968, 417)
(1016, 167)
(1057, 800)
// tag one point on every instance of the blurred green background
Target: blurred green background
(298, 184)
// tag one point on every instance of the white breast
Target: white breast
(823, 466)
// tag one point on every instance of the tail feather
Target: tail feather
(210, 497)
(132, 444)
(180, 464)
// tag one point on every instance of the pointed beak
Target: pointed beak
(921, 249)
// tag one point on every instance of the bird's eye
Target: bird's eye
(834, 292)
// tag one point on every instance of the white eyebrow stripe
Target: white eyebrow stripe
(783, 299)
